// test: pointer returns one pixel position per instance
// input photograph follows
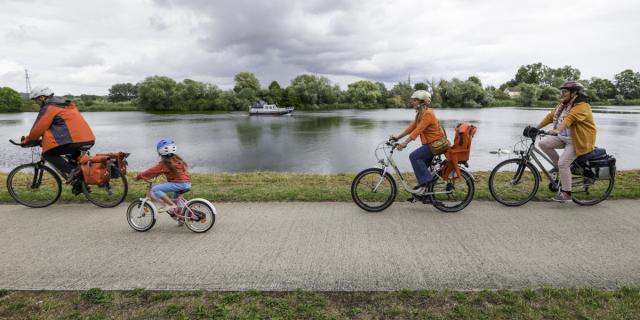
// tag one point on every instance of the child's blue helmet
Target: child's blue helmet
(166, 147)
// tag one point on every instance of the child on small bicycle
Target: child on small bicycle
(174, 169)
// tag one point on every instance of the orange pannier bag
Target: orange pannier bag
(119, 159)
(460, 150)
(95, 169)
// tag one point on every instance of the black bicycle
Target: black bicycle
(38, 185)
(515, 182)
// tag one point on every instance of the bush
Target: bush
(10, 100)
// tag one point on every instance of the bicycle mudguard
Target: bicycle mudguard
(213, 208)
(153, 206)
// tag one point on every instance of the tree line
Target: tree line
(530, 85)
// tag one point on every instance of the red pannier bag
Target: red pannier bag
(95, 169)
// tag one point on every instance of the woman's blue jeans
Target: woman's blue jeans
(420, 161)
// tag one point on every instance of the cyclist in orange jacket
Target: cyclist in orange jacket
(62, 128)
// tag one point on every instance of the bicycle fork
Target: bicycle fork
(37, 177)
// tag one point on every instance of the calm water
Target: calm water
(321, 142)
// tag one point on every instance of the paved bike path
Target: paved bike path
(325, 246)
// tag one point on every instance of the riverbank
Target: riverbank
(544, 303)
(283, 186)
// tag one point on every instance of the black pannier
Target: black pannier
(597, 164)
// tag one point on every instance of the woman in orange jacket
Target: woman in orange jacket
(426, 126)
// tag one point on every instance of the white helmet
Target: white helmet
(422, 95)
(166, 147)
(40, 91)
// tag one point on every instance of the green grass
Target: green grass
(544, 303)
(277, 186)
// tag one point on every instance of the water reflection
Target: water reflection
(324, 142)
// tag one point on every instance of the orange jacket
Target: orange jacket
(427, 127)
(160, 168)
(59, 123)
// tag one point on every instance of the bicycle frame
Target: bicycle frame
(387, 161)
(181, 203)
(532, 153)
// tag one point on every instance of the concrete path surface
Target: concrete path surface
(325, 246)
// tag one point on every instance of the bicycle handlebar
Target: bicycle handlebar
(27, 145)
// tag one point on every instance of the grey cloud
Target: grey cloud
(157, 23)
(84, 58)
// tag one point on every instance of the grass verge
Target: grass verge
(280, 186)
(542, 303)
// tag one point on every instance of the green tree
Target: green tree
(464, 94)
(603, 88)
(628, 84)
(421, 86)
(532, 74)
(156, 93)
(497, 93)
(10, 100)
(529, 94)
(122, 92)
(565, 73)
(246, 80)
(310, 91)
(275, 93)
(548, 93)
(475, 80)
(398, 96)
(193, 95)
(364, 94)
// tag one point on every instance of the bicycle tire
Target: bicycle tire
(377, 179)
(50, 198)
(147, 213)
(576, 194)
(443, 205)
(521, 170)
(206, 216)
(102, 195)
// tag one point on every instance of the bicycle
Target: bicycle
(515, 181)
(198, 214)
(374, 189)
(38, 185)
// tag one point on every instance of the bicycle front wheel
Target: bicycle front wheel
(514, 182)
(34, 185)
(109, 194)
(372, 191)
(139, 217)
(199, 216)
(453, 195)
(587, 191)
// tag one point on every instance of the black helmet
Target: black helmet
(572, 86)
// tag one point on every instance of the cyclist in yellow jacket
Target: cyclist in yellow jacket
(573, 130)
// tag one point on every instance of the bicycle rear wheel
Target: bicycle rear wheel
(34, 185)
(199, 216)
(453, 195)
(140, 218)
(514, 182)
(372, 191)
(587, 191)
(109, 194)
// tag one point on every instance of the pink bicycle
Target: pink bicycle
(198, 214)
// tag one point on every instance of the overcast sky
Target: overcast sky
(87, 46)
